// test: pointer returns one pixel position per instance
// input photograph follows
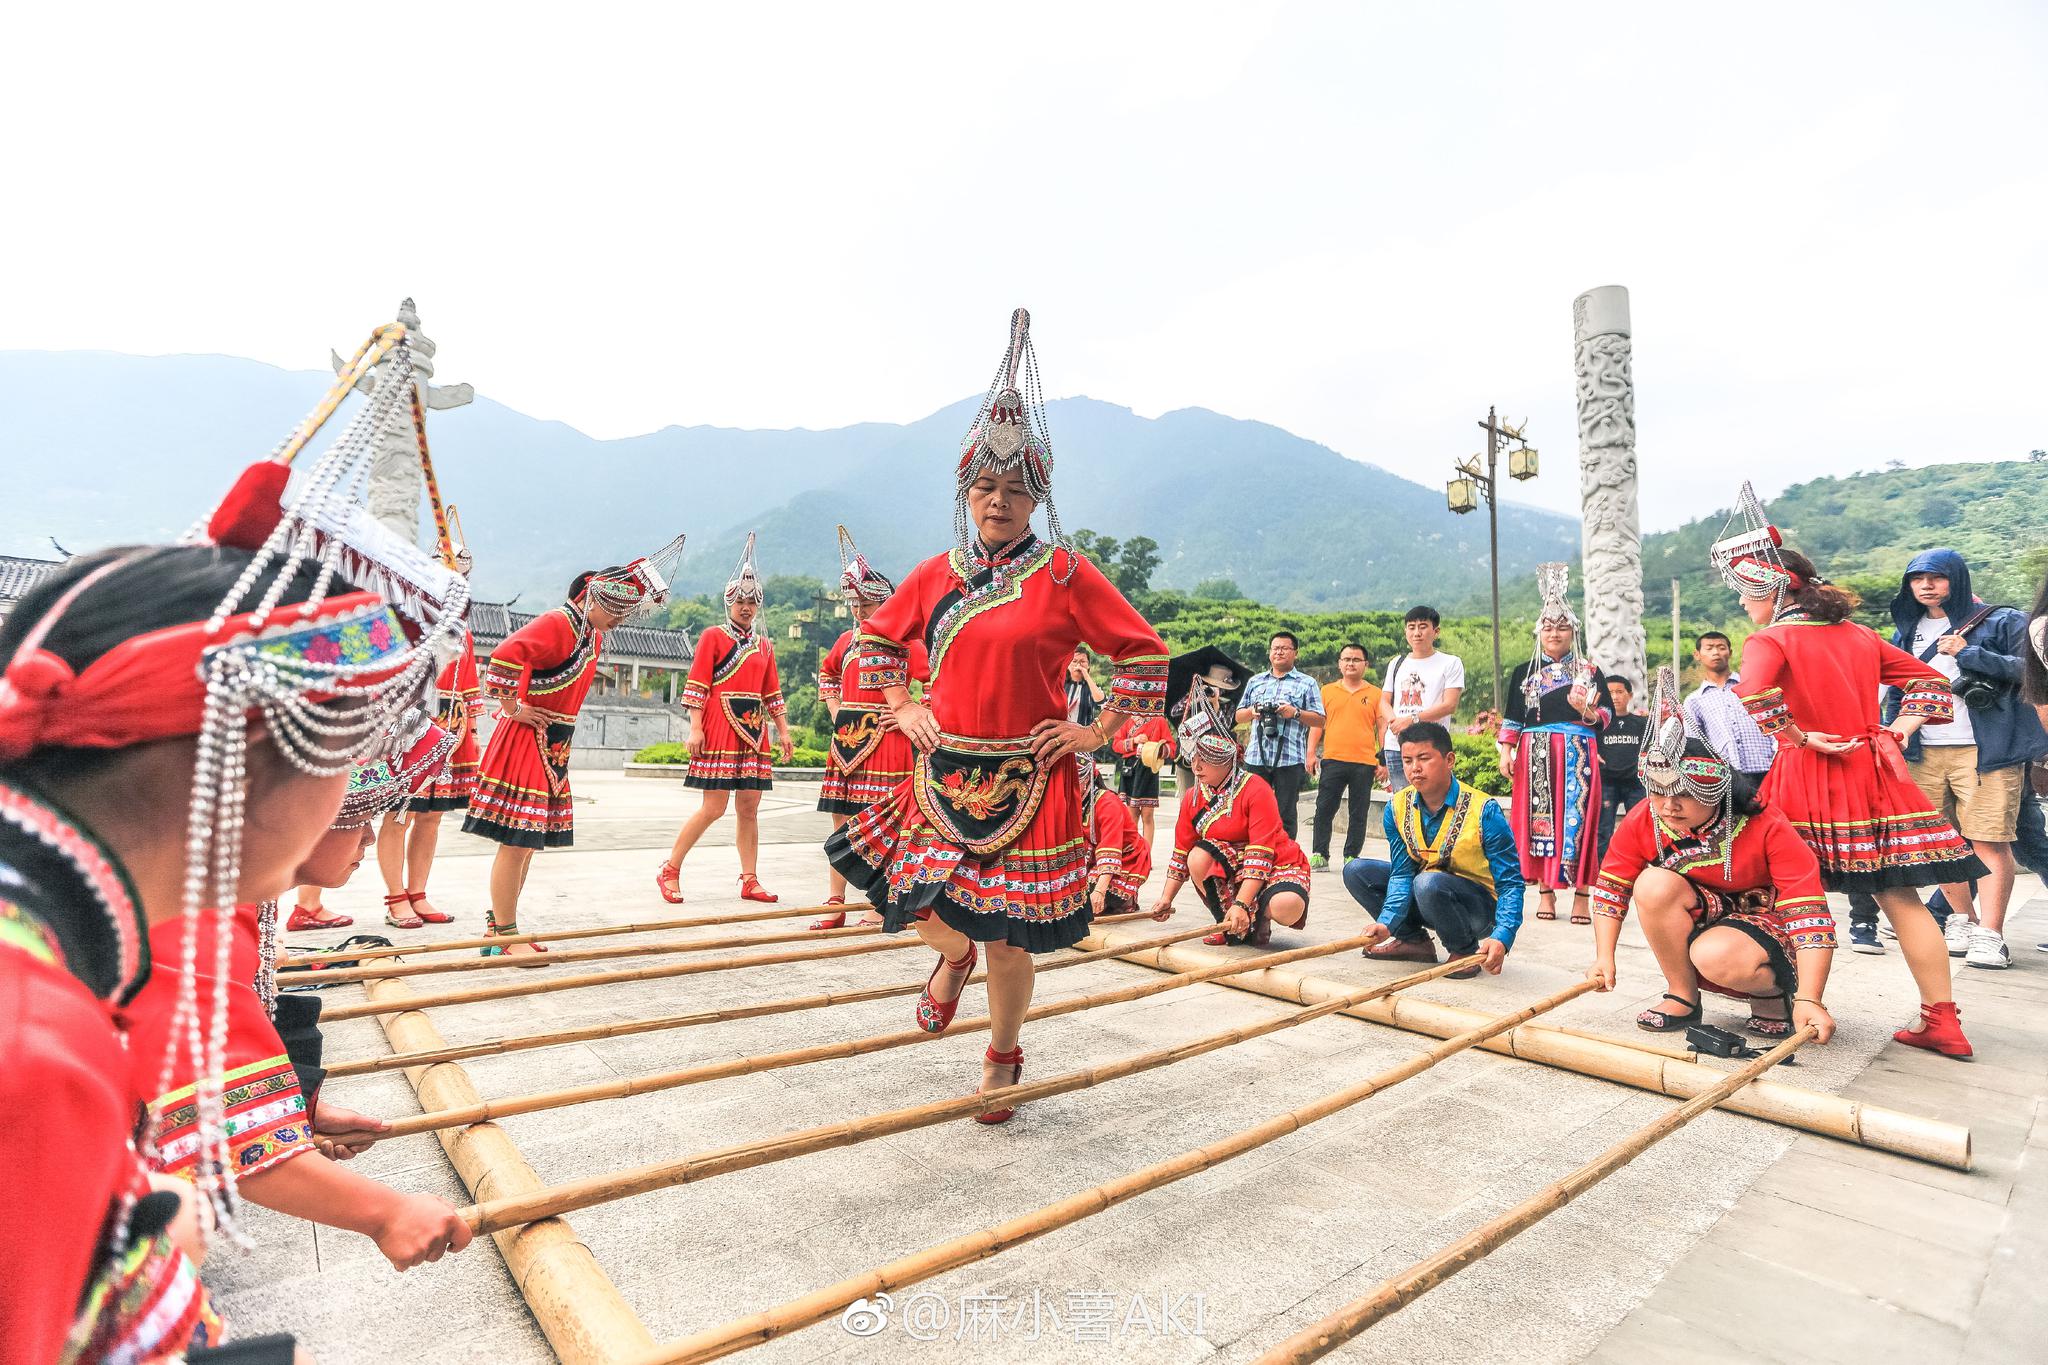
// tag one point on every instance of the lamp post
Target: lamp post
(1462, 495)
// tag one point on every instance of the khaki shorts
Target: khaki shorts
(1983, 806)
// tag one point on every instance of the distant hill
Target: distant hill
(100, 447)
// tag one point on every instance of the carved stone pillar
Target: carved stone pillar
(397, 483)
(1611, 530)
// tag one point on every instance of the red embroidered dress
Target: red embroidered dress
(735, 692)
(1119, 850)
(981, 831)
(1239, 822)
(866, 762)
(461, 706)
(1140, 784)
(522, 789)
(1859, 812)
(1754, 873)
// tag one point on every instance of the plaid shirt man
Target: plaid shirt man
(1719, 717)
(1296, 689)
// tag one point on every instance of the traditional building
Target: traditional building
(18, 576)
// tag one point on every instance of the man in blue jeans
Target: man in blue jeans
(1454, 869)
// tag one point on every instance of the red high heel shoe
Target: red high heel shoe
(752, 890)
(668, 879)
(933, 1015)
(429, 916)
(409, 921)
(1013, 1059)
(837, 921)
(1941, 1031)
(304, 918)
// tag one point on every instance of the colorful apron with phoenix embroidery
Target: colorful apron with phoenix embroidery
(868, 759)
(735, 692)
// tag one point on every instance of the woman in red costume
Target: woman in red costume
(1119, 856)
(870, 758)
(1142, 745)
(732, 695)
(1229, 840)
(539, 676)
(1810, 678)
(1730, 895)
(983, 844)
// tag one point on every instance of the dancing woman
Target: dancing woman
(1119, 856)
(539, 676)
(1229, 840)
(1729, 895)
(1810, 677)
(869, 758)
(1549, 740)
(1143, 745)
(732, 694)
(983, 844)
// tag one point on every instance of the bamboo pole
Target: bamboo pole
(1318, 1340)
(309, 961)
(493, 1047)
(979, 1246)
(626, 1086)
(576, 1305)
(545, 985)
(1869, 1125)
(661, 1175)
(342, 976)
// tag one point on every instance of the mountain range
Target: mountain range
(103, 448)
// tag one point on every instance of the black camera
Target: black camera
(1978, 691)
(1269, 719)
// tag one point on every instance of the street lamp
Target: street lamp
(1462, 495)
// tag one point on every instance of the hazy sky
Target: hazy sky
(1360, 222)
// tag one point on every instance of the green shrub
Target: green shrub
(669, 752)
(1478, 764)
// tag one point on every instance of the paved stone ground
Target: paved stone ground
(1729, 1241)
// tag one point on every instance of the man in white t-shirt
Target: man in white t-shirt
(1423, 684)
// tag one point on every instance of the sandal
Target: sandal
(837, 921)
(1546, 914)
(1658, 1021)
(934, 1015)
(1013, 1059)
(1763, 1025)
(537, 957)
(752, 890)
(309, 917)
(668, 879)
(429, 915)
(407, 921)
(1578, 918)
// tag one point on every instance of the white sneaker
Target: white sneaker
(1957, 931)
(1987, 949)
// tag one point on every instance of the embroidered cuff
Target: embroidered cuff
(1767, 708)
(1108, 860)
(828, 686)
(501, 682)
(695, 694)
(881, 666)
(1610, 897)
(775, 704)
(1177, 866)
(1138, 685)
(267, 1122)
(1808, 924)
(1930, 700)
(1257, 865)
(1510, 731)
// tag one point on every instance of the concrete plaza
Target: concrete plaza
(1732, 1240)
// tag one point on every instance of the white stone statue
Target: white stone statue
(1611, 534)
(397, 482)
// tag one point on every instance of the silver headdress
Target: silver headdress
(1748, 555)
(1009, 433)
(1554, 581)
(1205, 731)
(1666, 769)
(859, 581)
(641, 584)
(745, 583)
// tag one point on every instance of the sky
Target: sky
(1362, 222)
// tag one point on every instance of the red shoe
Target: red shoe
(751, 890)
(932, 1015)
(429, 915)
(302, 918)
(409, 920)
(837, 921)
(668, 879)
(1941, 1030)
(1013, 1059)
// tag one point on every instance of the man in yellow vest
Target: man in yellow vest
(1454, 869)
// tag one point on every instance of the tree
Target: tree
(1135, 566)
(1219, 590)
(1938, 510)
(1101, 550)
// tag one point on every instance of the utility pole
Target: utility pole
(1677, 667)
(1462, 495)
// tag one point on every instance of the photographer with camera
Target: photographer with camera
(1972, 768)
(1282, 705)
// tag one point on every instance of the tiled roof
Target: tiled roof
(491, 622)
(18, 575)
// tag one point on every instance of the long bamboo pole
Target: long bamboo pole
(545, 985)
(493, 1047)
(1317, 1341)
(341, 976)
(576, 1305)
(1868, 1125)
(979, 1246)
(626, 1086)
(659, 926)
(661, 1175)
